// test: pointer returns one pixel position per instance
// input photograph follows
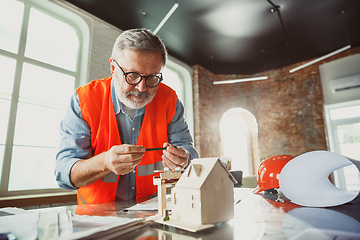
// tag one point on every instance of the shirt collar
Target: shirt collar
(119, 106)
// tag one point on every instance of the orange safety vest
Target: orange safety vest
(97, 110)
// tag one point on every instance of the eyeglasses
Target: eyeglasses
(134, 78)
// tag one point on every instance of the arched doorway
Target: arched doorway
(239, 140)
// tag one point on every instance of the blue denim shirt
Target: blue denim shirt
(76, 142)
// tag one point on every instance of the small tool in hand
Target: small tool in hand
(155, 149)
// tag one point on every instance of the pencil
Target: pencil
(155, 149)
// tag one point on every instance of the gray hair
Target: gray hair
(139, 40)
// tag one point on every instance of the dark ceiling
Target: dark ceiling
(239, 36)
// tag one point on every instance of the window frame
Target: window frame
(60, 12)
(331, 129)
(185, 73)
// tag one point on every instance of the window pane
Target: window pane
(7, 74)
(37, 126)
(52, 41)
(346, 112)
(11, 15)
(32, 168)
(46, 87)
(349, 140)
(352, 178)
(172, 79)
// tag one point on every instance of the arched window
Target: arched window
(239, 137)
(43, 58)
(173, 80)
(177, 76)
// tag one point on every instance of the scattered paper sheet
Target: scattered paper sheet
(22, 225)
(12, 210)
(65, 223)
(305, 179)
(26, 225)
(150, 205)
(48, 225)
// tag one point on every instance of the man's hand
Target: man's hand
(122, 159)
(174, 157)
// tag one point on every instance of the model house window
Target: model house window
(238, 131)
(40, 58)
(343, 121)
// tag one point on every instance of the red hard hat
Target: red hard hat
(269, 172)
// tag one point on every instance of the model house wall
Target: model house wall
(204, 193)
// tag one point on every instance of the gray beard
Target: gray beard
(137, 94)
(124, 97)
(134, 104)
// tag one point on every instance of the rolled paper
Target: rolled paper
(305, 179)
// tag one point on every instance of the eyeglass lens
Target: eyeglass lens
(134, 78)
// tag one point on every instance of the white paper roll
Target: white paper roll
(305, 179)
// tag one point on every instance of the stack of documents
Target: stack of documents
(59, 224)
(96, 227)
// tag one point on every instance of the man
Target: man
(112, 121)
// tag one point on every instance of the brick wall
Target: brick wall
(289, 108)
(103, 36)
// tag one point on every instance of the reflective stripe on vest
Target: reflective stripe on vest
(80, 199)
(149, 169)
(98, 111)
(110, 178)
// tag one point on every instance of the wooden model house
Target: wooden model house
(203, 196)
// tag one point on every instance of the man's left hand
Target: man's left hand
(174, 156)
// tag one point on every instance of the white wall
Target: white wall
(344, 67)
(102, 38)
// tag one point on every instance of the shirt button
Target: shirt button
(133, 129)
(134, 171)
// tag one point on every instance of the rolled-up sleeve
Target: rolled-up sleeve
(178, 132)
(75, 143)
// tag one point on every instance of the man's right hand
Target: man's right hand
(122, 159)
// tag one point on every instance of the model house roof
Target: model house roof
(199, 170)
